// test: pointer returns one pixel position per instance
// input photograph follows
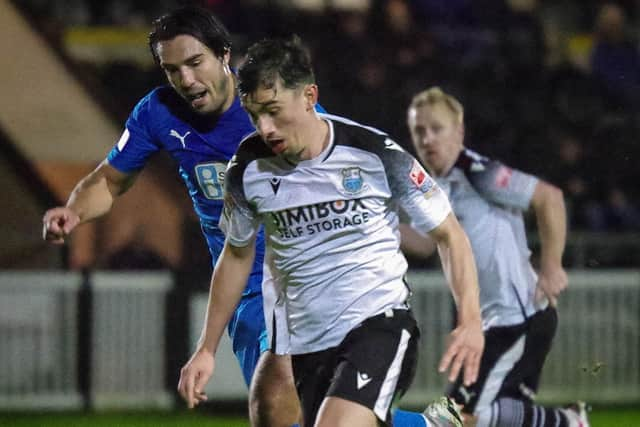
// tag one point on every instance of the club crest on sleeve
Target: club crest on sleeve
(417, 174)
(503, 176)
(428, 187)
(422, 180)
(352, 181)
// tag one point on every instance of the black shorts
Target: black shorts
(373, 366)
(511, 363)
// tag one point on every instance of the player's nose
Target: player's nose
(187, 78)
(265, 126)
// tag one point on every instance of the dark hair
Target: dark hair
(269, 59)
(193, 21)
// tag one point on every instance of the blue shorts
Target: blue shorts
(248, 334)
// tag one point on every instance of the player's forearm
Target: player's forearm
(552, 223)
(415, 244)
(91, 197)
(94, 195)
(460, 269)
(228, 281)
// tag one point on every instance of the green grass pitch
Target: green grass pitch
(599, 417)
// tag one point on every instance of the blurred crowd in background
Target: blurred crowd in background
(551, 87)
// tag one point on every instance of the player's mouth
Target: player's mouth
(430, 153)
(277, 145)
(198, 99)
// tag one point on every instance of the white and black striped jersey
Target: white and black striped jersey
(331, 230)
(489, 199)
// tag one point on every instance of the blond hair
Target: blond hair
(435, 95)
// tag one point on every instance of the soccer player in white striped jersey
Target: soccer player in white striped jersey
(328, 191)
(518, 305)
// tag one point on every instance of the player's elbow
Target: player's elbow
(549, 196)
(450, 234)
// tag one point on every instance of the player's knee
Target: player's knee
(272, 399)
(271, 410)
(469, 420)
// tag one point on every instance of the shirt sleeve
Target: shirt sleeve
(503, 185)
(239, 221)
(418, 195)
(136, 144)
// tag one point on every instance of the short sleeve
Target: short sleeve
(415, 191)
(136, 144)
(239, 222)
(503, 185)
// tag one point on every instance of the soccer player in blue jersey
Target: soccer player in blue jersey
(198, 120)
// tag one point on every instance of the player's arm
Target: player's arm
(414, 243)
(467, 339)
(91, 198)
(227, 284)
(548, 205)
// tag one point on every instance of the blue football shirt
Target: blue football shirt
(201, 147)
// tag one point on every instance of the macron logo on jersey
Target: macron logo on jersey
(275, 184)
(392, 145)
(362, 379)
(180, 137)
(124, 138)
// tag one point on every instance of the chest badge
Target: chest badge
(352, 180)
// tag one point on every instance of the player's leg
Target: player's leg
(337, 412)
(506, 411)
(504, 346)
(541, 330)
(312, 374)
(443, 412)
(375, 365)
(273, 400)
(514, 402)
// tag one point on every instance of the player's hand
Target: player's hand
(464, 351)
(194, 376)
(552, 280)
(57, 223)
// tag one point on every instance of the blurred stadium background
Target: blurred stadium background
(104, 323)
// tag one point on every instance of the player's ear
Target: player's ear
(226, 58)
(311, 95)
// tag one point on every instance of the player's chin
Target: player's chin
(204, 108)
